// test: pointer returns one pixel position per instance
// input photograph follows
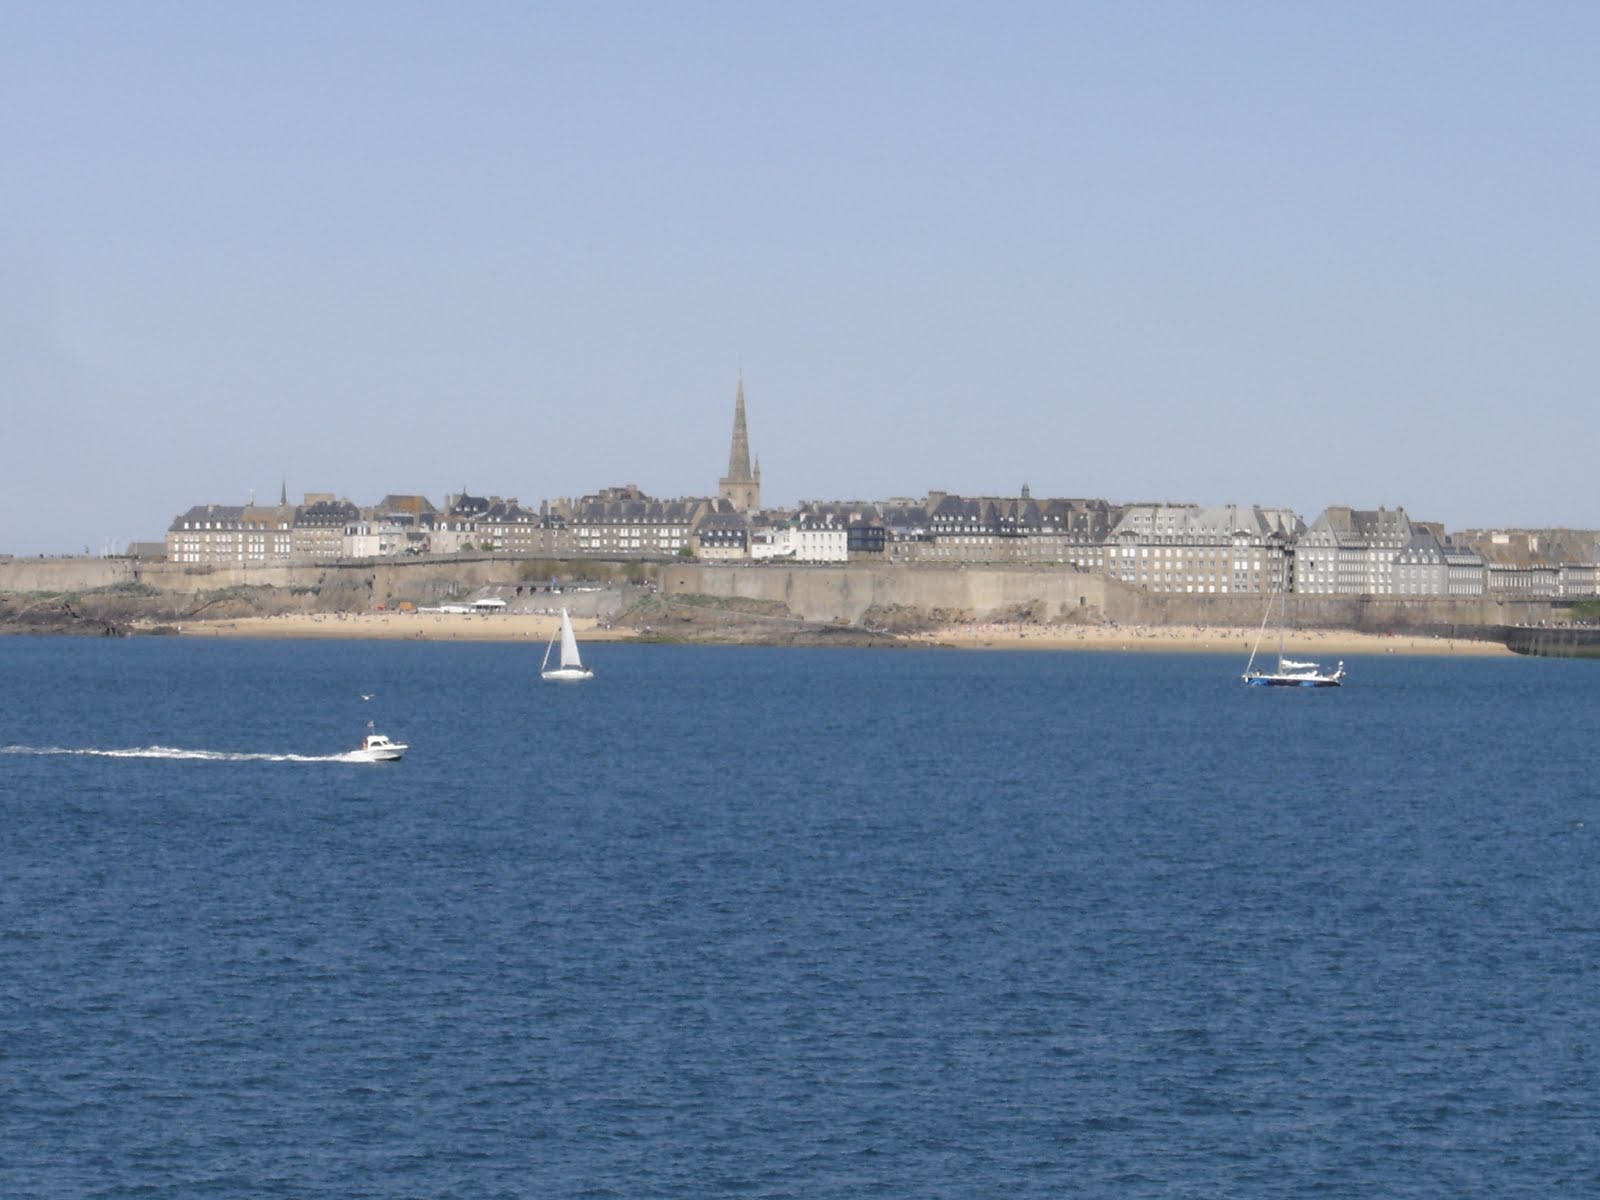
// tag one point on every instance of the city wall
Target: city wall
(360, 582)
(845, 594)
(64, 574)
(824, 594)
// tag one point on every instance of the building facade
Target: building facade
(1221, 550)
(1351, 552)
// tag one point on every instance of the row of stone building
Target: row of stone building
(1160, 547)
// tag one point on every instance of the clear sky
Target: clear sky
(1286, 254)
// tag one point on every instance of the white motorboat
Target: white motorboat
(570, 668)
(375, 747)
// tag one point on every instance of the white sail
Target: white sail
(571, 666)
(569, 643)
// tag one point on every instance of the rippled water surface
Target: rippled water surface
(785, 923)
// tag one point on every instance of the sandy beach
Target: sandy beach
(535, 629)
(414, 626)
(1320, 643)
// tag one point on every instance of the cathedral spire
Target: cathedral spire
(739, 452)
(740, 486)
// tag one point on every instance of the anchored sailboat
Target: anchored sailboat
(571, 667)
(1289, 673)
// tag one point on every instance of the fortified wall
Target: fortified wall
(1130, 605)
(820, 594)
(845, 594)
(350, 584)
(58, 575)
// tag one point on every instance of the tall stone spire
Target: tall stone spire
(739, 453)
(740, 487)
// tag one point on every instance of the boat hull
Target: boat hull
(1317, 681)
(387, 754)
(567, 674)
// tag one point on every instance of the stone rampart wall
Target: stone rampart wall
(829, 594)
(364, 582)
(64, 574)
(813, 593)
(1370, 614)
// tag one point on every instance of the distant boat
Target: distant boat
(1290, 673)
(571, 668)
(375, 747)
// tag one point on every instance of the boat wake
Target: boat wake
(173, 752)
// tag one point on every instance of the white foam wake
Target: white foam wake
(173, 752)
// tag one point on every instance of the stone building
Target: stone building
(319, 526)
(1538, 564)
(1432, 564)
(905, 525)
(252, 534)
(625, 523)
(506, 526)
(1351, 552)
(721, 534)
(211, 534)
(455, 526)
(1189, 548)
(268, 530)
(998, 529)
(396, 525)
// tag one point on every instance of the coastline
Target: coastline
(1201, 639)
(537, 628)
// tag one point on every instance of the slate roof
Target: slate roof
(1362, 526)
(508, 512)
(1210, 522)
(592, 510)
(226, 516)
(325, 513)
(1535, 547)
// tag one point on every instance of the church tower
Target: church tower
(741, 486)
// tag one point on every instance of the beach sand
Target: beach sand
(535, 629)
(1323, 644)
(415, 626)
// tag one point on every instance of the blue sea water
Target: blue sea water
(793, 923)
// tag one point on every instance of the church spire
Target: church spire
(739, 452)
(740, 487)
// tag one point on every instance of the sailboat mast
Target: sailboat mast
(1283, 610)
(1266, 615)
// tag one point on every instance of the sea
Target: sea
(797, 923)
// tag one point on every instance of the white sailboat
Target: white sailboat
(571, 667)
(1289, 673)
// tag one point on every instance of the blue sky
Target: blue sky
(1271, 253)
